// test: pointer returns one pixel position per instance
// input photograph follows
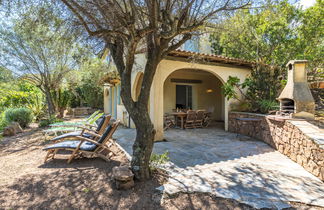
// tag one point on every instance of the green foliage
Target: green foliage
(21, 94)
(61, 98)
(266, 35)
(48, 121)
(264, 83)
(268, 105)
(229, 87)
(3, 121)
(86, 190)
(5, 75)
(157, 159)
(40, 45)
(310, 42)
(262, 88)
(86, 85)
(274, 34)
(23, 116)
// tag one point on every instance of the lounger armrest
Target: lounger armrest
(63, 125)
(90, 125)
(94, 134)
(86, 129)
(83, 139)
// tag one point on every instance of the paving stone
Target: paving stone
(248, 171)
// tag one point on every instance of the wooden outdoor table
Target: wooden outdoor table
(180, 115)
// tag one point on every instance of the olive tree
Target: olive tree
(38, 45)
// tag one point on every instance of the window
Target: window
(184, 96)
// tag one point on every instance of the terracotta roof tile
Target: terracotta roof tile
(211, 58)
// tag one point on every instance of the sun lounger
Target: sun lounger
(60, 129)
(86, 132)
(85, 146)
(90, 120)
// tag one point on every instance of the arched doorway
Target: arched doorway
(136, 90)
(197, 90)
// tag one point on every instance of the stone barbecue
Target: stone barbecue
(296, 97)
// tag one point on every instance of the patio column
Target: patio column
(156, 104)
(226, 107)
(107, 98)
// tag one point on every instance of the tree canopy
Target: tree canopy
(273, 34)
(40, 47)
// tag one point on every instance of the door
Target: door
(184, 96)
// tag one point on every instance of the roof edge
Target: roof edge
(211, 58)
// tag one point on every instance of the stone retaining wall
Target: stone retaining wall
(299, 140)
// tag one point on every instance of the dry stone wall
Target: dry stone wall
(299, 140)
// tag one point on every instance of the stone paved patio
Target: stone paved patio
(212, 160)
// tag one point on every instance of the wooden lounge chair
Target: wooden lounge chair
(190, 121)
(86, 132)
(200, 114)
(85, 146)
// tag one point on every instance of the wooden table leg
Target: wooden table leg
(176, 120)
(182, 124)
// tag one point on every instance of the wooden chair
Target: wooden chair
(85, 146)
(87, 132)
(168, 122)
(190, 121)
(207, 119)
(199, 118)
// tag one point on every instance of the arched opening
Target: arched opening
(194, 89)
(137, 86)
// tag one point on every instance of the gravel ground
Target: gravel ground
(27, 183)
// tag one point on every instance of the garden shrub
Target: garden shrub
(157, 159)
(3, 121)
(48, 121)
(268, 105)
(22, 94)
(259, 91)
(23, 116)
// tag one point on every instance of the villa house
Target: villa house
(190, 78)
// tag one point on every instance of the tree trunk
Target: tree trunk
(138, 111)
(50, 104)
(143, 145)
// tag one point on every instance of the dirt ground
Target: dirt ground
(28, 183)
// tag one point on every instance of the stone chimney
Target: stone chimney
(296, 97)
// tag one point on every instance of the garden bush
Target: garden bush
(23, 116)
(268, 105)
(259, 91)
(46, 122)
(157, 160)
(3, 121)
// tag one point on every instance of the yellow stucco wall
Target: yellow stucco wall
(166, 67)
(162, 97)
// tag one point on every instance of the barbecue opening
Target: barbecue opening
(287, 106)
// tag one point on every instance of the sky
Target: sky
(307, 3)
